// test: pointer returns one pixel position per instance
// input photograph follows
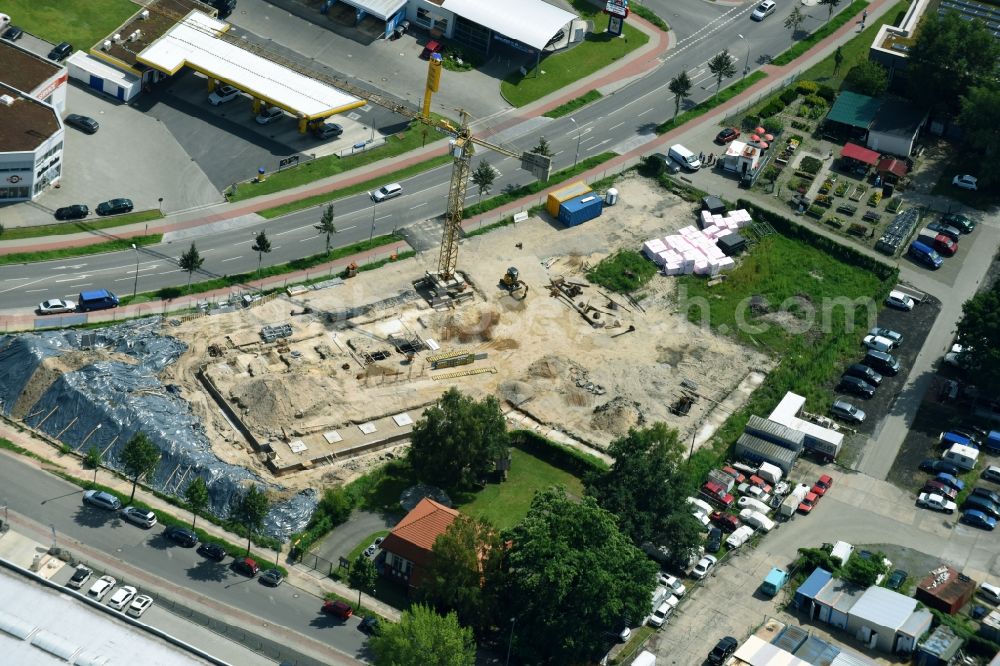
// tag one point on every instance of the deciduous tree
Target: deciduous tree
(830, 6)
(542, 148)
(794, 20)
(680, 86)
(93, 460)
(979, 333)
(423, 637)
(140, 457)
(261, 245)
(483, 177)
(979, 129)
(249, 509)
(362, 575)
(458, 440)
(573, 575)
(191, 261)
(868, 78)
(196, 495)
(722, 66)
(326, 226)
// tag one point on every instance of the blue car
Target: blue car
(977, 518)
(950, 481)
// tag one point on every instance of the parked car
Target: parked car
(723, 650)
(74, 212)
(945, 230)
(977, 518)
(937, 488)
(951, 481)
(823, 484)
(992, 473)
(327, 130)
(990, 592)
(716, 492)
(337, 608)
(85, 124)
(212, 551)
(60, 51)
(370, 625)
(808, 503)
(727, 521)
(386, 192)
(727, 135)
(740, 536)
(935, 465)
(139, 517)
(101, 587)
(102, 500)
(760, 483)
(847, 412)
(856, 387)
(223, 94)
(272, 577)
(862, 371)
(878, 343)
(56, 306)
(122, 596)
(884, 362)
(114, 207)
(899, 300)
(936, 502)
(673, 584)
(965, 182)
(139, 605)
(980, 503)
(13, 33)
(764, 10)
(987, 493)
(704, 566)
(79, 577)
(246, 566)
(181, 536)
(661, 162)
(896, 579)
(735, 473)
(895, 336)
(269, 115)
(959, 221)
(660, 615)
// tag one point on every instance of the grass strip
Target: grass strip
(271, 271)
(647, 13)
(537, 186)
(116, 245)
(375, 183)
(701, 108)
(415, 136)
(65, 228)
(828, 29)
(598, 50)
(574, 104)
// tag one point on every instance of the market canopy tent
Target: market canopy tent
(859, 154)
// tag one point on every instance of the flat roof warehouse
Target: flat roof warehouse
(196, 42)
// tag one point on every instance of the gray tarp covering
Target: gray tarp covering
(124, 398)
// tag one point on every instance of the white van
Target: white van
(756, 519)
(684, 157)
(963, 457)
(740, 536)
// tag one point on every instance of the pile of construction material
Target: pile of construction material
(693, 250)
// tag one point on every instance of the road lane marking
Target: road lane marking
(76, 279)
(230, 259)
(386, 216)
(616, 126)
(411, 208)
(639, 115)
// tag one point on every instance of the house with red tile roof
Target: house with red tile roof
(408, 547)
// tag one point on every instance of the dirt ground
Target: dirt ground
(537, 354)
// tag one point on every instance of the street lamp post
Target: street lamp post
(135, 284)
(372, 234)
(510, 641)
(577, 126)
(159, 205)
(746, 66)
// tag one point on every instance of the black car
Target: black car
(723, 650)
(897, 579)
(370, 625)
(856, 386)
(327, 131)
(61, 51)
(181, 536)
(986, 493)
(935, 465)
(945, 230)
(714, 541)
(212, 551)
(862, 371)
(82, 123)
(662, 163)
(883, 362)
(980, 503)
(13, 33)
(960, 222)
(74, 212)
(114, 207)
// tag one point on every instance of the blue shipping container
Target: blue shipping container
(580, 209)
(992, 443)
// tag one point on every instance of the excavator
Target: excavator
(514, 284)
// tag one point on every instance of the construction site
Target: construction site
(306, 390)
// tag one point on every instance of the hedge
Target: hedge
(570, 460)
(772, 108)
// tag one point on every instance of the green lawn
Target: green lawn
(63, 228)
(558, 71)
(116, 245)
(624, 271)
(504, 504)
(82, 24)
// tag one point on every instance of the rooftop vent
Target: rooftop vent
(6, 100)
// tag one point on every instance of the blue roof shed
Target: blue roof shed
(806, 594)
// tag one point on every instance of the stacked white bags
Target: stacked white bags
(691, 250)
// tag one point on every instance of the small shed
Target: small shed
(835, 600)
(855, 155)
(945, 589)
(731, 244)
(887, 620)
(713, 205)
(757, 450)
(896, 126)
(891, 169)
(806, 594)
(939, 649)
(580, 209)
(771, 431)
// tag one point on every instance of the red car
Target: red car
(822, 485)
(735, 473)
(809, 502)
(727, 135)
(246, 566)
(726, 521)
(938, 488)
(717, 493)
(760, 483)
(338, 608)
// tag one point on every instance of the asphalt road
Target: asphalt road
(52, 501)
(619, 123)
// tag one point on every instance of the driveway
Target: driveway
(344, 538)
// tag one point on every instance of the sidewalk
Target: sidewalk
(301, 577)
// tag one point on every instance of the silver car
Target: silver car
(102, 500)
(139, 517)
(56, 306)
(846, 411)
(386, 192)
